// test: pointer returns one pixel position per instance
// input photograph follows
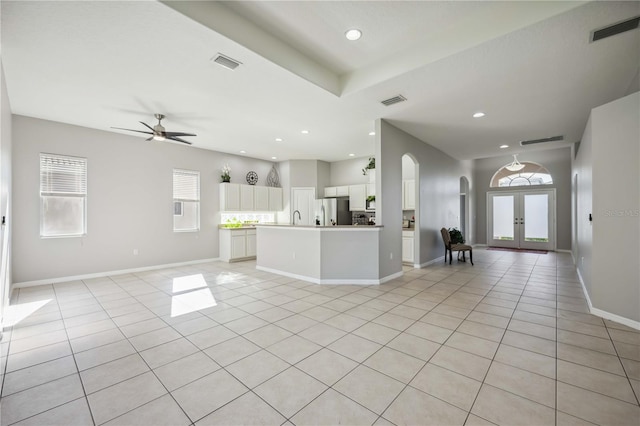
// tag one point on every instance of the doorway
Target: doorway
(522, 219)
(464, 207)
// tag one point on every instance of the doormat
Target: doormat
(518, 250)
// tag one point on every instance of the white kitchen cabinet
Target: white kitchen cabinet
(247, 201)
(342, 191)
(251, 243)
(275, 199)
(409, 194)
(330, 192)
(357, 197)
(229, 197)
(407, 247)
(237, 244)
(261, 198)
(371, 189)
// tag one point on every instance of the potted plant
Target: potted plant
(371, 202)
(226, 173)
(370, 166)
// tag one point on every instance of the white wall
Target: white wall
(439, 195)
(608, 169)
(129, 201)
(5, 210)
(557, 161)
(349, 172)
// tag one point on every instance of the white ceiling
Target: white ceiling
(528, 65)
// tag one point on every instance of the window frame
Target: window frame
(185, 200)
(52, 193)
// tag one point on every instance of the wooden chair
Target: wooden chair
(449, 247)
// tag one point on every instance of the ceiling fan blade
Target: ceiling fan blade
(146, 125)
(177, 139)
(171, 134)
(131, 130)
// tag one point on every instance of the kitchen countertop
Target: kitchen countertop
(347, 227)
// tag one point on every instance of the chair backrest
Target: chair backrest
(446, 237)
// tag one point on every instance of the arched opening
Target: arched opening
(410, 211)
(532, 174)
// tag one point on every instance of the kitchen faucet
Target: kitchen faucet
(294, 216)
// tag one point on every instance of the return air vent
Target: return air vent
(543, 140)
(226, 62)
(394, 100)
(611, 30)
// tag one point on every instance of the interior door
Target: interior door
(303, 200)
(521, 219)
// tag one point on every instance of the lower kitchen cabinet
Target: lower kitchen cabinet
(407, 247)
(237, 244)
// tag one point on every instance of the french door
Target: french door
(522, 219)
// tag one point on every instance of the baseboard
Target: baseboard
(106, 273)
(431, 262)
(564, 251)
(604, 314)
(331, 281)
(478, 245)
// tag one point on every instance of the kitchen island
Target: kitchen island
(320, 254)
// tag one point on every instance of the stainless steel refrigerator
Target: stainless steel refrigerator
(332, 211)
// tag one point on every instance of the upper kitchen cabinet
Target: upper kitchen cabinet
(229, 197)
(371, 190)
(275, 199)
(247, 201)
(236, 197)
(336, 191)
(409, 194)
(357, 197)
(261, 198)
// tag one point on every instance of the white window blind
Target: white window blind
(186, 185)
(186, 200)
(62, 175)
(63, 196)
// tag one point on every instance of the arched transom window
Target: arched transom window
(531, 174)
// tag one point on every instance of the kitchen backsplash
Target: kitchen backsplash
(363, 218)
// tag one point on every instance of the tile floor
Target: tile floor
(507, 341)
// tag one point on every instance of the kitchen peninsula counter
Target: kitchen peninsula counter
(341, 254)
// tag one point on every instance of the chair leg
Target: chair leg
(450, 256)
(471, 257)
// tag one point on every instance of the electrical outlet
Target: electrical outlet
(582, 260)
(391, 256)
(135, 252)
(294, 255)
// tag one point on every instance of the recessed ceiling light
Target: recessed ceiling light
(274, 158)
(305, 132)
(243, 152)
(352, 155)
(478, 114)
(353, 34)
(278, 139)
(372, 133)
(504, 146)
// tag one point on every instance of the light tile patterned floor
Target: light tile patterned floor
(507, 341)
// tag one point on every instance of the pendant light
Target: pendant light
(516, 165)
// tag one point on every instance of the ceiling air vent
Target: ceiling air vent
(611, 30)
(226, 62)
(543, 140)
(394, 100)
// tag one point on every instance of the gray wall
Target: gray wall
(349, 172)
(607, 166)
(557, 161)
(129, 201)
(439, 195)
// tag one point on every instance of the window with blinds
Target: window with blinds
(186, 200)
(63, 196)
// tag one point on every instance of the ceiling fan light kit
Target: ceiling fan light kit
(158, 132)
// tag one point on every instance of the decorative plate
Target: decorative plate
(252, 178)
